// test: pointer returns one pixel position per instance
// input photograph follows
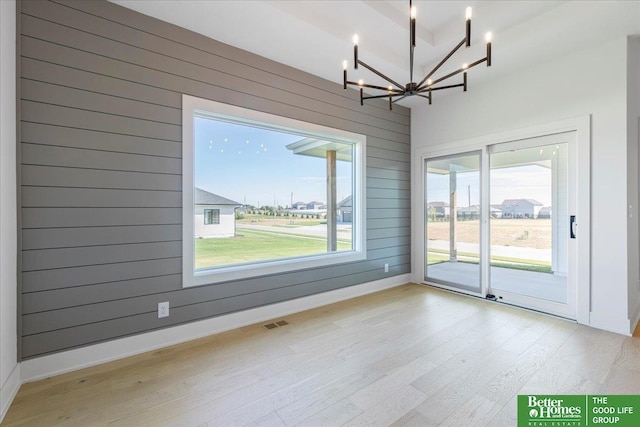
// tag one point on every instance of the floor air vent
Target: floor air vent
(276, 324)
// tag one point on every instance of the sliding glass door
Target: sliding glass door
(452, 221)
(530, 239)
(500, 222)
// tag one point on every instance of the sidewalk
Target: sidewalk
(503, 251)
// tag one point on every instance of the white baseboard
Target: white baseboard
(8, 390)
(67, 361)
(610, 323)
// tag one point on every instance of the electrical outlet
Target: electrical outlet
(386, 267)
(163, 309)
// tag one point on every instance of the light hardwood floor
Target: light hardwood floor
(412, 355)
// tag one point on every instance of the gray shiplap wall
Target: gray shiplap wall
(100, 101)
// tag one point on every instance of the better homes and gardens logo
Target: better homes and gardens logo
(551, 411)
(578, 410)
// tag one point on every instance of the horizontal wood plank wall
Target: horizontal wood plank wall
(101, 90)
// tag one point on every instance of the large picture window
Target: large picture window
(276, 194)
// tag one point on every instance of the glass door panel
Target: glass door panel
(452, 221)
(529, 213)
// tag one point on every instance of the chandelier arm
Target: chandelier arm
(478, 62)
(427, 97)
(386, 89)
(373, 70)
(445, 59)
(432, 89)
(460, 70)
(402, 97)
(381, 96)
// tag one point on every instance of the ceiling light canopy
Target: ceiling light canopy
(395, 92)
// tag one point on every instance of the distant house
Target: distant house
(544, 213)
(469, 212)
(214, 215)
(438, 209)
(496, 211)
(316, 206)
(345, 210)
(300, 206)
(520, 208)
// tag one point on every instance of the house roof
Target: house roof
(512, 202)
(205, 198)
(346, 202)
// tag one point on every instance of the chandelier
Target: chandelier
(395, 92)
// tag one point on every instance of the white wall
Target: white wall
(633, 161)
(588, 80)
(9, 375)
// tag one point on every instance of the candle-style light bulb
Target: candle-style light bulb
(390, 88)
(355, 51)
(465, 66)
(344, 74)
(360, 82)
(468, 28)
(487, 37)
(429, 81)
(413, 25)
(468, 13)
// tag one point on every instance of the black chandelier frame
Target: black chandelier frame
(395, 92)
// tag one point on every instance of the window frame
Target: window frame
(194, 106)
(215, 219)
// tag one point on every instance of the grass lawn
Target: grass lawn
(254, 245)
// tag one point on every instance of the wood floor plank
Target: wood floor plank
(507, 416)
(411, 355)
(335, 415)
(323, 401)
(388, 410)
(270, 420)
(412, 418)
(510, 381)
(477, 411)
(439, 406)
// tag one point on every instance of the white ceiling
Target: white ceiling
(315, 36)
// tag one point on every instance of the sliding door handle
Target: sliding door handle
(573, 225)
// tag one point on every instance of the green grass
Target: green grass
(255, 246)
(436, 256)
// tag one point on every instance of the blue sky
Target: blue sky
(523, 182)
(253, 166)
